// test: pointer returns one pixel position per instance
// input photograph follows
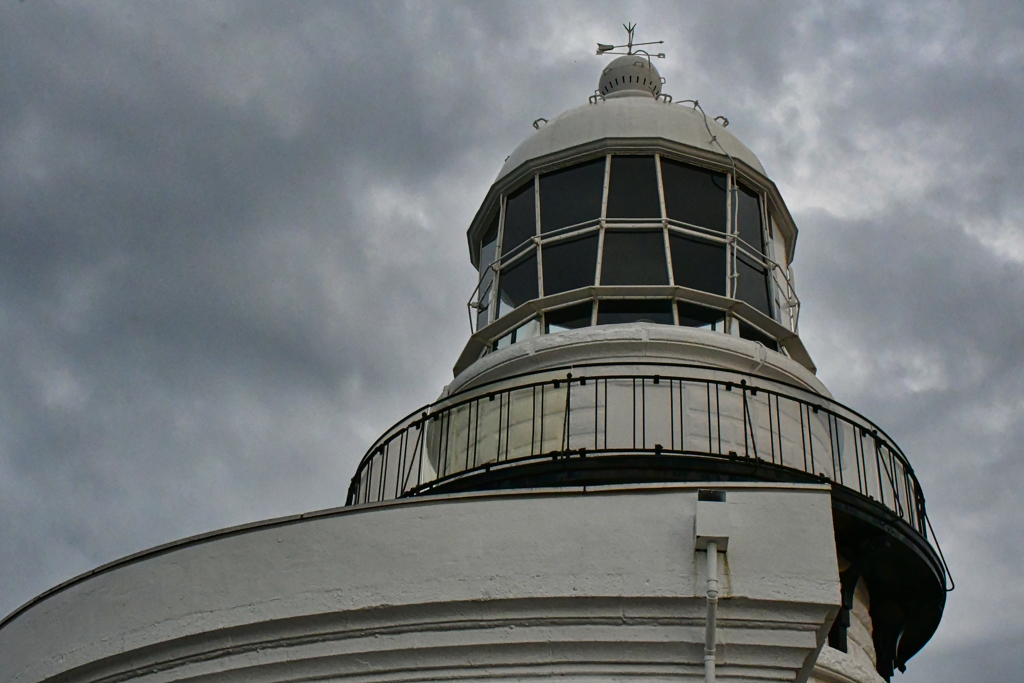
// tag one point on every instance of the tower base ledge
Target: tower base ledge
(504, 586)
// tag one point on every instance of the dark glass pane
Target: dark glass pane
(503, 342)
(489, 245)
(754, 334)
(752, 286)
(748, 219)
(520, 218)
(693, 315)
(634, 257)
(571, 195)
(633, 188)
(518, 284)
(568, 318)
(485, 300)
(698, 264)
(488, 249)
(694, 195)
(485, 282)
(569, 264)
(634, 311)
(527, 330)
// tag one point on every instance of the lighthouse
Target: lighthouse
(634, 473)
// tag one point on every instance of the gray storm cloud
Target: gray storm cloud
(232, 248)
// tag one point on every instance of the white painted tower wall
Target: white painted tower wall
(578, 585)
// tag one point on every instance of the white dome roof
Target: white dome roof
(628, 114)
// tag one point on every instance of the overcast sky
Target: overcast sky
(232, 248)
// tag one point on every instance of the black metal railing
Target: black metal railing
(639, 409)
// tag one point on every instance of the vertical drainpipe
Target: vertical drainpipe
(711, 534)
(712, 614)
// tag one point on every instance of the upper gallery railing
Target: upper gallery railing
(638, 409)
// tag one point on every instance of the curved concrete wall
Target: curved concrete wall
(636, 343)
(598, 585)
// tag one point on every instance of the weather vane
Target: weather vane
(603, 49)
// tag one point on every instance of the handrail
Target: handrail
(639, 409)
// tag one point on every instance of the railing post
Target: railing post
(566, 436)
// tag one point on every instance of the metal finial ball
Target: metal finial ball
(630, 73)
